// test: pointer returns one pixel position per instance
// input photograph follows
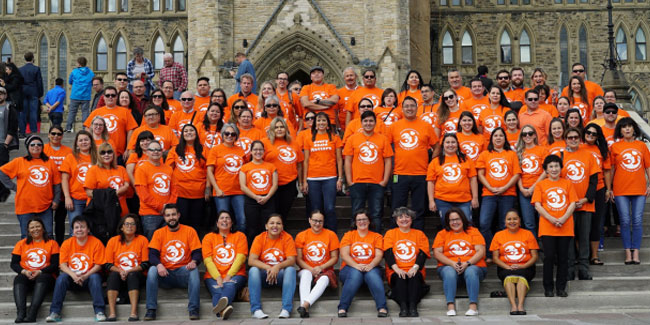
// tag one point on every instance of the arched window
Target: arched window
(564, 57)
(506, 49)
(120, 54)
(42, 60)
(640, 51)
(524, 47)
(621, 44)
(101, 63)
(6, 51)
(179, 51)
(63, 58)
(582, 46)
(467, 49)
(447, 49)
(158, 52)
(635, 99)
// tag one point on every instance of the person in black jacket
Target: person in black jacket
(13, 82)
(32, 92)
(8, 135)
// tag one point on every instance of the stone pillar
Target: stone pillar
(419, 40)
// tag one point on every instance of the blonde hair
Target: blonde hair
(97, 158)
(271, 132)
(521, 146)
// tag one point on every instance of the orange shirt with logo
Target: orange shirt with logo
(578, 167)
(388, 115)
(227, 162)
(174, 105)
(190, 174)
(181, 118)
(56, 155)
(408, 93)
(246, 137)
(362, 249)
(540, 120)
(412, 140)
(604, 164)
(512, 138)
(629, 161)
(546, 107)
(259, 177)
(514, 248)
(159, 185)
(317, 248)
(273, 251)
(127, 256)
(119, 122)
(322, 91)
(209, 138)
(516, 94)
(490, 119)
(451, 124)
(374, 94)
(593, 90)
(452, 179)
(430, 118)
(368, 155)
(531, 165)
(476, 106)
(406, 247)
(286, 157)
(463, 93)
(201, 104)
(499, 167)
(35, 180)
(555, 197)
(291, 107)
(175, 247)
(77, 170)
(81, 258)
(556, 148)
(100, 178)
(163, 134)
(355, 127)
(322, 155)
(345, 94)
(36, 255)
(459, 246)
(223, 251)
(264, 124)
(471, 145)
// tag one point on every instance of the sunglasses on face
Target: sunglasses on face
(271, 105)
(110, 95)
(106, 152)
(609, 112)
(228, 134)
(448, 97)
(532, 99)
(591, 133)
(573, 137)
(239, 107)
(578, 70)
(35, 144)
(185, 99)
(503, 78)
(365, 106)
(122, 79)
(157, 96)
(527, 134)
(155, 150)
(369, 77)
(56, 134)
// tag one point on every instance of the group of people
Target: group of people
(546, 165)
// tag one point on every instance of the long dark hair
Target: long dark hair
(206, 119)
(164, 105)
(405, 84)
(503, 101)
(583, 91)
(46, 237)
(459, 154)
(601, 142)
(143, 136)
(76, 151)
(506, 144)
(138, 226)
(385, 94)
(551, 139)
(470, 115)
(618, 134)
(443, 108)
(182, 144)
(330, 129)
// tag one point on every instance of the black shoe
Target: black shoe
(303, 312)
(20, 316)
(382, 314)
(562, 293)
(584, 276)
(194, 315)
(571, 276)
(548, 293)
(150, 315)
(21, 135)
(413, 313)
(343, 314)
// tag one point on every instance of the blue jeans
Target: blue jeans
(352, 280)
(228, 290)
(323, 197)
(630, 211)
(489, 205)
(257, 280)
(79, 206)
(151, 223)
(233, 204)
(46, 216)
(72, 112)
(528, 214)
(417, 186)
(360, 193)
(29, 114)
(64, 281)
(444, 206)
(177, 278)
(473, 276)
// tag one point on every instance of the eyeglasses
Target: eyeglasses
(532, 99)
(283, 79)
(258, 149)
(157, 96)
(368, 77)
(363, 220)
(311, 118)
(578, 70)
(573, 137)
(105, 152)
(365, 106)
(110, 95)
(218, 96)
(271, 105)
(122, 79)
(609, 112)
(151, 115)
(155, 150)
(185, 99)
(228, 134)
(455, 220)
(35, 144)
(316, 221)
(129, 224)
(239, 107)
(591, 133)
(56, 134)
(503, 78)
(448, 97)
(528, 134)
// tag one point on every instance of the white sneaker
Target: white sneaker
(471, 312)
(259, 314)
(451, 312)
(284, 314)
(100, 317)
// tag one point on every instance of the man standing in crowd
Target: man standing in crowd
(246, 94)
(368, 90)
(98, 88)
(455, 81)
(32, 91)
(140, 68)
(174, 254)
(593, 89)
(429, 105)
(319, 96)
(538, 118)
(168, 91)
(517, 89)
(81, 80)
(8, 135)
(245, 67)
(141, 99)
(610, 113)
(174, 72)
(503, 80)
(483, 75)
(53, 102)
(121, 82)
(288, 97)
(478, 101)
(187, 115)
(345, 94)
(202, 97)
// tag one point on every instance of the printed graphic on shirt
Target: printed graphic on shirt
(36, 258)
(233, 163)
(79, 263)
(459, 247)
(260, 179)
(409, 139)
(286, 154)
(498, 168)
(174, 251)
(361, 251)
(127, 260)
(557, 198)
(188, 165)
(83, 169)
(316, 251)
(451, 173)
(631, 159)
(112, 122)
(224, 255)
(405, 250)
(471, 149)
(161, 183)
(39, 176)
(368, 153)
(575, 171)
(272, 256)
(514, 251)
(115, 182)
(530, 164)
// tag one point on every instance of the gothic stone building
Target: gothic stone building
(393, 36)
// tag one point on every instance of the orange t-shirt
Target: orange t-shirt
(163, 134)
(134, 159)
(459, 246)
(291, 108)
(430, 118)
(322, 155)
(190, 175)
(355, 127)
(451, 124)
(584, 108)
(159, 184)
(578, 167)
(540, 120)
(374, 94)
(344, 96)
(201, 103)
(81, 258)
(368, 154)
(37, 255)
(99, 178)
(35, 178)
(246, 137)
(463, 93)
(412, 140)
(499, 167)
(286, 157)
(259, 177)
(452, 179)
(209, 138)
(77, 170)
(546, 107)
(609, 136)
(593, 90)
(181, 118)
(531, 165)
(251, 101)
(471, 145)
(175, 247)
(317, 248)
(322, 91)
(406, 247)
(362, 249)
(514, 248)
(264, 124)
(556, 148)
(629, 161)
(56, 155)
(603, 164)
(273, 251)
(388, 115)
(119, 122)
(174, 105)
(227, 162)
(555, 197)
(512, 138)
(125, 256)
(408, 93)
(516, 94)
(476, 106)
(223, 251)
(490, 119)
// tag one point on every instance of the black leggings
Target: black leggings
(601, 208)
(191, 211)
(42, 278)
(59, 223)
(256, 216)
(132, 282)
(284, 197)
(407, 290)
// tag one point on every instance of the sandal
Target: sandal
(596, 261)
(498, 294)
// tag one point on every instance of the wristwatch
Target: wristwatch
(317, 100)
(469, 263)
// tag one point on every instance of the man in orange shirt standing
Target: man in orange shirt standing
(168, 90)
(593, 89)
(517, 89)
(538, 118)
(368, 90)
(189, 114)
(345, 94)
(478, 101)
(319, 96)
(456, 83)
(202, 97)
(503, 80)
(246, 94)
(174, 255)
(288, 97)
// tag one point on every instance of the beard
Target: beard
(172, 223)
